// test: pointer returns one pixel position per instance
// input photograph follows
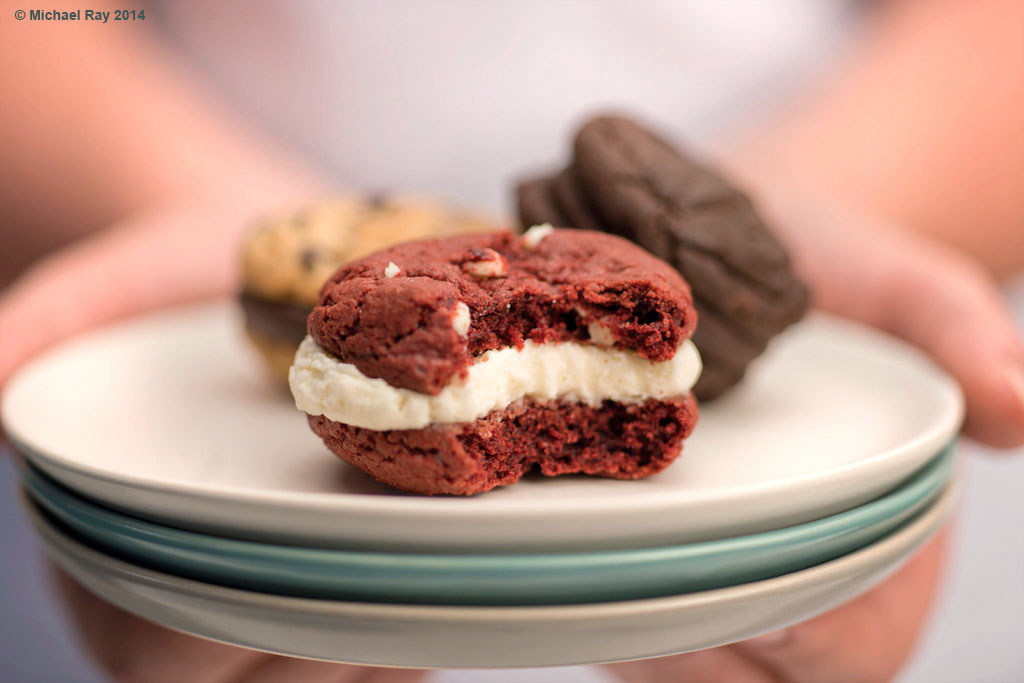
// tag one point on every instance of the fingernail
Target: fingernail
(773, 639)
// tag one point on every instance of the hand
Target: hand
(904, 284)
(942, 302)
(938, 299)
(864, 641)
(166, 257)
(935, 298)
(131, 649)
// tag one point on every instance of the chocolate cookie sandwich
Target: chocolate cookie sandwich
(285, 260)
(455, 365)
(625, 180)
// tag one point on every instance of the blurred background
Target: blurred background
(204, 115)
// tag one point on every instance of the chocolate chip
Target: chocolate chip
(308, 258)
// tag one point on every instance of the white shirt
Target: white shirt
(457, 98)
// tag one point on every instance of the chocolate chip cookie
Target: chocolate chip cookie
(286, 259)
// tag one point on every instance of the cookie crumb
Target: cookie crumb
(392, 270)
(460, 321)
(533, 236)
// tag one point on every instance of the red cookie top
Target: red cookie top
(406, 324)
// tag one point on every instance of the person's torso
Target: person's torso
(458, 97)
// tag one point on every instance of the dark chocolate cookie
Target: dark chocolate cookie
(537, 204)
(625, 180)
(574, 204)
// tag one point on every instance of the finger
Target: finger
(375, 675)
(132, 649)
(939, 301)
(929, 295)
(707, 666)
(865, 640)
(272, 669)
(159, 260)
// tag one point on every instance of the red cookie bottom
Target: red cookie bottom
(622, 441)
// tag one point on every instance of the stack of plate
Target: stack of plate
(167, 476)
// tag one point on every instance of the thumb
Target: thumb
(160, 259)
(932, 296)
(945, 304)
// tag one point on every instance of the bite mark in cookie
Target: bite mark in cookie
(492, 355)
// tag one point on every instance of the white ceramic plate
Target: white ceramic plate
(170, 417)
(482, 637)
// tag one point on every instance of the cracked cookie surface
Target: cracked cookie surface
(457, 297)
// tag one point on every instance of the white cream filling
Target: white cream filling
(324, 385)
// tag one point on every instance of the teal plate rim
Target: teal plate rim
(521, 578)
